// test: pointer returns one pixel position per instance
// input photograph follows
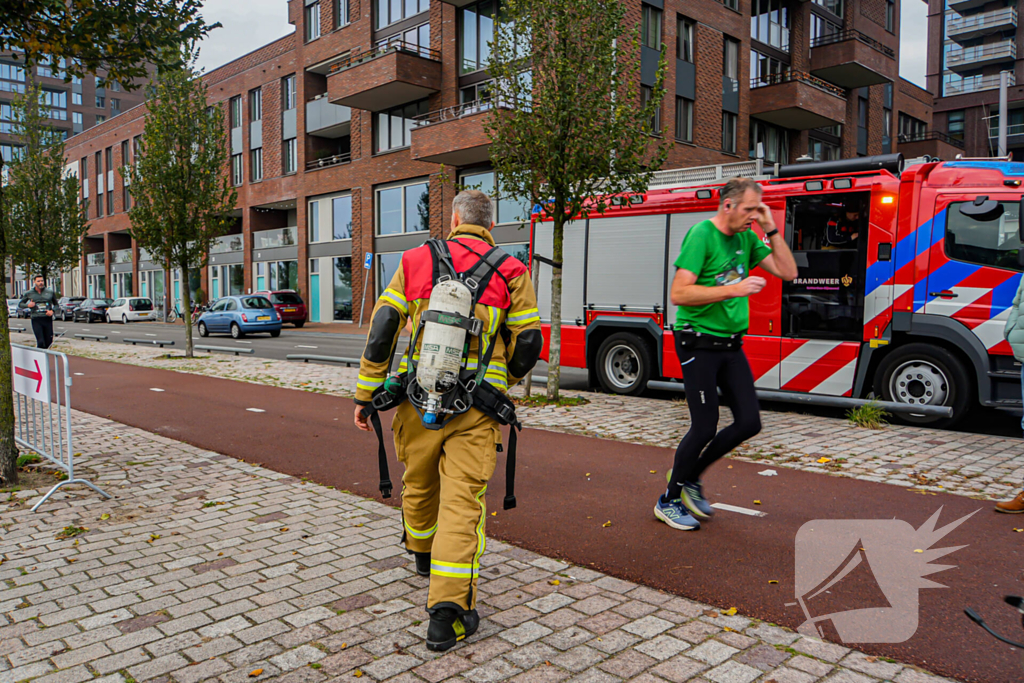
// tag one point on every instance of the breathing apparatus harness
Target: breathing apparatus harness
(454, 394)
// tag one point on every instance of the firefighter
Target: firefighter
(447, 468)
(842, 231)
(710, 288)
(41, 302)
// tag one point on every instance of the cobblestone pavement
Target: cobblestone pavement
(928, 460)
(205, 568)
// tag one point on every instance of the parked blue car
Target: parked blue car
(239, 316)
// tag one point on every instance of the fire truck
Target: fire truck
(908, 307)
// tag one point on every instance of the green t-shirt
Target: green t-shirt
(719, 260)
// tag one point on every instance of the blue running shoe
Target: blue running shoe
(693, 498)
(675, 515)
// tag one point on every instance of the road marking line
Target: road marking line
(150, 334)
(80, 374)
(155, 389)
(256, 410)
(742, 511)
(302, 346)
(239, 341)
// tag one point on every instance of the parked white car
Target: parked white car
(12, 308)
(131, 309)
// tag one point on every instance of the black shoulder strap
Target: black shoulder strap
(443, 268)
(382, 456)
(479, 276)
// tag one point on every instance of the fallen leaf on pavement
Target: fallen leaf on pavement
(824, 460)
(731, 612)
(1018, 530)
(554, 582)
(607, 524)
(729, 467)
(918, 551)
(872, 660)
(654, 471)
(284, 528)
(757, 502)
(104, 516)
(255, 672)
(588, 474)
(357, 673)
(772, 581)
(711, 613)
(494, 514)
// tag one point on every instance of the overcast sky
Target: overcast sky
(249, 24)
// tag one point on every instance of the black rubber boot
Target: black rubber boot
(422, 564)
(447, 627)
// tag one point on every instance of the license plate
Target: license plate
(143, 315)
(261, 318)
(289, 310)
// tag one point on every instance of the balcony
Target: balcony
(272, 239)
(797, 100)
(850, 59)
(971, 84)
(981, 24)
(454, 135)
(931, 143)
(387, 76)
(458, 3)
(978, 56)
(325, 162)
(966, 5)
(96, 259)
(226, 244)
(120, 255)
(327, 120)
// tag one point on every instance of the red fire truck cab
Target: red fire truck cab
(906, 303)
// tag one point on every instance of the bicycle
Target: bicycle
(174, 313)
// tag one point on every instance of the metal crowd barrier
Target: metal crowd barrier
(306, 357)
(42, 410)
(150, 342)
(94, 337)
(224, 349)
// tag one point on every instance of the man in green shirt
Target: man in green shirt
(710, 288)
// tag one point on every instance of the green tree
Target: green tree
(89, 35)
(569, 128)
(180, 184)
(45, 220)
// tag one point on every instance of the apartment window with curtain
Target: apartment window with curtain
(955, 124)
(911, 128)
(256, 164)
(312, 21)
(890, 16)
(289, 157)
(289, 92)
(101, 102)
(728, 132)
(125, 188)
(115, 106)
(650, 27)
(235, 112)
(110, 181)
(684, 119)
(646, 95)
(769, 23)
(341, 17)
(774, 142)
(388, 12)
(862, 125)
(731, 58)
(476, 31)
(236, 169)
(100, 175)
(685, 43)
(256, 104)
(76, 98)
(394, 126)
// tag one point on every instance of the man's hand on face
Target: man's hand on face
(763, 216)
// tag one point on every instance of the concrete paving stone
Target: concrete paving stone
(447, 666)
(344, 639)
(39, 636)
(531, 655)
(594, 676)
(514, 616)
(542, 673)
(201, 671)
(663, 647)
(223, 628)
(391, 643)
(160, 648)
(784, 674)
(157, 667)
(260, 652)
(614, 585)
(310, 616)
(549, 603)
(20, 657)
(143, 622)
(772, 634)
(22, 673)
(695, 631)
(579, 658)
(121, 660)
(820, 649)
(648, 627)
(635, 609)
(848, 677)
(80, 655)
(679, 669)
(909, 675)
(650, 595)
(614, 641)
(390, 666)
(627, 664)
(485, 650)
(345, 661)
(732, 672)
(603, 622)
(562, 618)
(712, 652)
(189, 623)
(762, 656)
(300, 656)
(569, 638)
(871, 665)
(302, 675)
(73, 675)
(213, 648)
(525, 633)
(594, 605)
(808, 665)
(736, 640)
(497, 669)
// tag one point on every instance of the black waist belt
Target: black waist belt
(486, 399)
(691, 340)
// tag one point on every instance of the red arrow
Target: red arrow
(37, 375)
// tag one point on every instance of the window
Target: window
(256, 104)
(476, 31)
(125, 161)
(136, 144)
(684, 119)
(731, 59)
(732, 4)
(312, 21)
(1014, 122)
(650, 27)
(289, 94)
(341, 217)
(76, 118)
(340, 13)
(886, 131)
(115, 106)
(53, 68)
(256, 164)
(101, 102)
(415, 37)
(822, 150)
(766, 70)
(773, 140)
(862, 125)
(76, 98)
(288, 157)
(823, 28)
(114, 85)
(342, 285)
(235, 112)
(989, 240)
(833, 6)
(394, 126)
(646, 95)
(236, 169)
(955, 124)
(388, 12)
(99, 184)
(890, 16)
(313, 221)
(110, 181)
(387, 266)
(54, 98)
(910, 128)
(403, 209)
(728, 132)
(100, 118)
(10, 152)
(769, 23)
(12, 72)
(507, 209)
(685, 43)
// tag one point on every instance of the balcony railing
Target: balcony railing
(357, 58)
(1005, 49)
(1011, 129)
(334, 160)
(796, 77)
(226, 244)
(144, 255)
(459, 111)
(121, 256)
(976, 84)
(270, 239)
(96, 259)
(982, 21)
(904, 138)
(850, 34)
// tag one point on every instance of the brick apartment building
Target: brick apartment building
(73, 107)
(338, 130)
(969, 43)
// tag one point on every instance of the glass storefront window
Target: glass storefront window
(343, 289)
(387, 266)
(342, 217)
(403, 209)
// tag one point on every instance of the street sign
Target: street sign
(368, 261)
(31, 373)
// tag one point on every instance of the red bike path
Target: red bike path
(569, 487)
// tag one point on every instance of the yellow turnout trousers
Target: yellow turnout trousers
(443, 507)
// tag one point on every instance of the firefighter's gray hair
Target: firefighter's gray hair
(474, 207)
(736, 188)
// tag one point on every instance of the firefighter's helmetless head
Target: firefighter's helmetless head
(472, 207)
(852, 211)
(738, 204)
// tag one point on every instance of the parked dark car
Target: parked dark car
(66, 306)
(91, 310)
(288, 304)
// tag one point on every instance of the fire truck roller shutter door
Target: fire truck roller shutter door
(679, 225)
(572, 269)
(633, 250)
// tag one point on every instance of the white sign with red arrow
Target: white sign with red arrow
(31, 373)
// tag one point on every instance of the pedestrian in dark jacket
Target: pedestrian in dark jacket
(41, 303)
(1014, 334)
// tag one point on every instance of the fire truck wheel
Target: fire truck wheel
(623, 364)
(925, 374)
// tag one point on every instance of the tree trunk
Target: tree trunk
(8, 449)
(186, 295)
(555, 348)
